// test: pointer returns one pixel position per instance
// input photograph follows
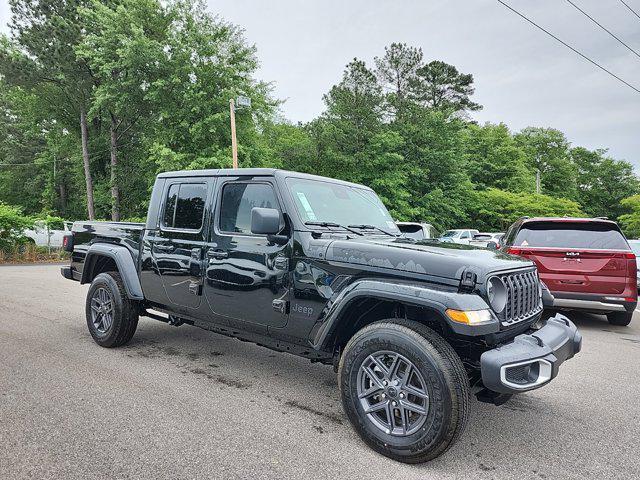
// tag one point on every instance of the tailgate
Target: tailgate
(580, 270)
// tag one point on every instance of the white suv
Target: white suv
(459, 235)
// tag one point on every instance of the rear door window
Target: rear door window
(184, 207)
(577, 235)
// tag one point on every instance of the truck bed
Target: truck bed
(86, 232)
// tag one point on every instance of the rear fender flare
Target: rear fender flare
(415, 295)
(123, 260)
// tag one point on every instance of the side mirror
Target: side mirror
(492, 246)
(265, 221)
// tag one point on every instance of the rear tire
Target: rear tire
(437, 419)
(620, 318)
(112, 318)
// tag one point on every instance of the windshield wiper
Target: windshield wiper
(373, 227)
(333, 224)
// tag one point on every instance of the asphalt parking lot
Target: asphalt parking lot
(186, 403)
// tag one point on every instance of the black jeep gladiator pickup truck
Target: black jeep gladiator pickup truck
(317, 267)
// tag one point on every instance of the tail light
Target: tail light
(514, 251)
(67, 242)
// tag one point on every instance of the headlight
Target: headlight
(497, 294)
(470, 317)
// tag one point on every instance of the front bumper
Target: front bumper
(531, 360)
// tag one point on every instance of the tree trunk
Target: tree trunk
(62, 189)
(115, 191)
(85, 161)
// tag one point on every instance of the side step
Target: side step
(169, 319)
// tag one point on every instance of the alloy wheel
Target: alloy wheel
(393, 393)
(102, 309)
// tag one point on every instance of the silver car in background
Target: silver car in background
(484, 239)
(417, 230)
(458, 235)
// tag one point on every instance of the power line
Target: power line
(570, 47)
(630, 9)
(603, 28)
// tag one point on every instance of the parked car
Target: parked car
(416, 230)
(461, 235)
(46, 237)
(484, 239)
(316, 267)
(586, 263)
(635, 247)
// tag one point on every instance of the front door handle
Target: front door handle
(217, 254)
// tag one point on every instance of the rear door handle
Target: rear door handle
(217, 254)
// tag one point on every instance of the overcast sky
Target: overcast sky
(522, 76)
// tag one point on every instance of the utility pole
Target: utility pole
(537, 181)
(234, 141)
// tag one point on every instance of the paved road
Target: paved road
(185, 403)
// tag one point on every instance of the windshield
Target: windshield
(412, 231)
(318, 201)
(450, 233)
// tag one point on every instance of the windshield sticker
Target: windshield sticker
(307, 206)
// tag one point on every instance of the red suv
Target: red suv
(586, 263)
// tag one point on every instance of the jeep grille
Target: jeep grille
(523, 296)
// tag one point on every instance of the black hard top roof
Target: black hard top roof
(251, 172)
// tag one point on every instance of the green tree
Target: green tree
(493, 159)
(439, 85)
(547, 150)
(354, 106)
(42, 58)
(207, 62)
(123, 43)
(495, 210)
(630, 222)
(437, 180)
(603, 182)
(397, 73)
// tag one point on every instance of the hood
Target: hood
(447, 260)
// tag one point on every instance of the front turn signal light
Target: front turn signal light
(470, 317)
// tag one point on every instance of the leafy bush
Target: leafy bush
(54, 223)
(495, 210)
(12, 224)
(29, 253)
(136, 220)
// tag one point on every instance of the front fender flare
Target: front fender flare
(416, 295)
(124, 261)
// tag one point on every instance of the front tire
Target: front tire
(404, 389)
(112, 318)
(620, 318)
